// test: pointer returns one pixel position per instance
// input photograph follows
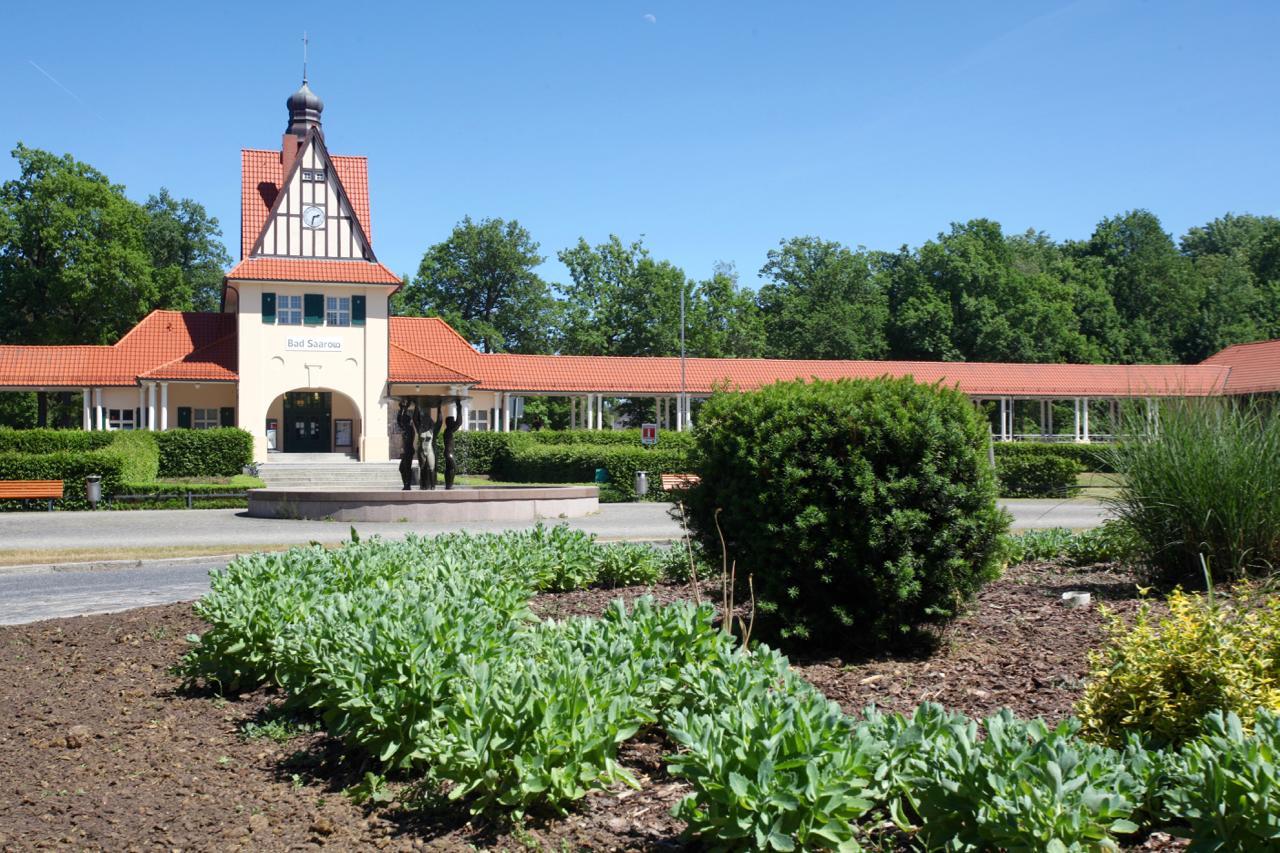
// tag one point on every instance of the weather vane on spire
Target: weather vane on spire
(304, 57)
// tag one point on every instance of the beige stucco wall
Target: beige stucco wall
(357, 369)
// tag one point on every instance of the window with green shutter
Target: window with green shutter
(184, 417)
(313, 309)
(228, 416)
(269, 308)
(357, 310)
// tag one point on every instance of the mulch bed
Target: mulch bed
(100, 749)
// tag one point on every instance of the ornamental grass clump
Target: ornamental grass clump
(1201, 478)
(1159, 678)
(862, 509)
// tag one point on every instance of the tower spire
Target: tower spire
(304, 57)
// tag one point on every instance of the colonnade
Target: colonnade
(1082, 431)
(153, 408)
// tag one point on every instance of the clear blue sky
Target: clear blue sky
(712, 128)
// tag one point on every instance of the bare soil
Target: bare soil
(100, 749)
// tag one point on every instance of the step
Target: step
(276, 458)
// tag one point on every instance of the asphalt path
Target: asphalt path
(42, 591)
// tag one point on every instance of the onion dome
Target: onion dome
(305, 107)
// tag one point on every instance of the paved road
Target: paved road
(31, 593)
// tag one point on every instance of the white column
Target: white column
(151, 406)
(1085, 406)
(1049, 420)
(1076, 401)
(97, 411)
(86, 402)
(466, 412)
(506, 412)
(599, 411)
(164, 405)
(142, 407)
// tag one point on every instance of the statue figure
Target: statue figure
(405, 421)
(426, 428)
(451, 425)
(435, 438)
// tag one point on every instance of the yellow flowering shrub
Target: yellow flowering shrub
(1160, 678)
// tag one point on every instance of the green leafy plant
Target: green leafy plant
(1037, 476)
(220, 452)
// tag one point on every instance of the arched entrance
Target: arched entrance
(313, 420)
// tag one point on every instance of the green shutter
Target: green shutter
(357, 310)
(227, 416)
(313, 309)
(184, 417)
(268, 307)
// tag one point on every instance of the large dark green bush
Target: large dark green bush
(220, 452)
(1037, 476)
(476, 451)
(52, 440)
(70, 467)
(1202, 480)
(577, 463)
(863, 509)
(1091, 457)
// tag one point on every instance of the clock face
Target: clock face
(313, 217)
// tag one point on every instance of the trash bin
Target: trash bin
(602, 476)
(642, 483)
(93, 489)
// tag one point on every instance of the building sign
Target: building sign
(309, 344)
(648, 434)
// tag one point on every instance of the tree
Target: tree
(722, 319)
(481, 281)
(186, 252)
(621, 301)
(1152, 285)
(822, 300)
(74, 266)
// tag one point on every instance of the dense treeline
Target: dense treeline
(80, 262)
(1129, 293)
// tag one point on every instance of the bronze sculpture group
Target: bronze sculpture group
(420, 433)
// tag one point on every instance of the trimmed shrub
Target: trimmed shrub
(70, 467)
(1092, 457)
(1037, 476)
(577, 463)
(206, 491)
(52, 440)
(863, 508)
(1159, 679)
(667, 438)
(140, 452)
(474, 451)
(220, 452)
(1204, 484)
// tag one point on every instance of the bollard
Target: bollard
(642, 483)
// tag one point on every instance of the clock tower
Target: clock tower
(310, 298)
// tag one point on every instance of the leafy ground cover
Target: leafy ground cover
(197, 781)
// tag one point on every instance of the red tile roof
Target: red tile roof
(262, 173)
(433, 338)
(405, 367)
(213, 363)
(1255, 367)
(305, 269)
(161, 338)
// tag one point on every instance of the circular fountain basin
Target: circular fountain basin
(461, 503)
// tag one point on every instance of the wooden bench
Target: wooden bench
(679, 482)
(50, 490)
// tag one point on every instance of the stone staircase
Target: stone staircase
(327, 471)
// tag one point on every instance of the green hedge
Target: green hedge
(577, 463)
(140, 452)
(220, 452)
(1091, 457)
(1037, 476)
(70, 467)
(474, 451)
(52, 440)
(667, 439)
